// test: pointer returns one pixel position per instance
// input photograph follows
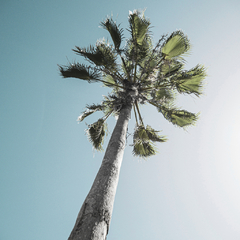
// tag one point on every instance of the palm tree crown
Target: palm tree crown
(138, 73)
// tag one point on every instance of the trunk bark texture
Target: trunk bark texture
(95, 214)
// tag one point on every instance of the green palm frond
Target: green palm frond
(101, 55)
(115, 32)
(143, 149)
(142, 145)
(139, 26)
(176, 45)
(143, 139)
(109, 81)
(140, 133)
(147, 134)
(77, 70)
(168, 68)
(190, 81)
(90, 110)
(138, 53)
(96, 133)
(151, 62)
(139, 45)
(128, 67)
(112, 104)
(153, 135)
(147, 70)
(164, 96)
(181, 118)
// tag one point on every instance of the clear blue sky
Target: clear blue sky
(189, 191)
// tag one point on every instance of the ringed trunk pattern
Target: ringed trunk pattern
(95, 214)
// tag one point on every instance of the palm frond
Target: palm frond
(139, 26)
(109, 56)
(109, 81)
(101, 55)
(168, 68)
(164, 96)
(127, 68)
(138, 53)
(143, 139)
(181, 118)
(85, 114)
(176, 45)
(77, 70)
(139, 45)
(96, 133)
(95, 107)
(143, 149)
(140, 133)
(90, 110)
(151, 62)
(112, 104)
(191, 81)
(153, 135)
(91, 53)
(148, 67)
(115, 32)
(142, 145)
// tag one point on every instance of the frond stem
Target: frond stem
(134, 108)
(139, 113)
(119, 77)
(107, 115)
(116, 85)
(154, 104)
(124, 64)
(146, 65)
(135, 72)
(154, 87)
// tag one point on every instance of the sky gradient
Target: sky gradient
(189, 191)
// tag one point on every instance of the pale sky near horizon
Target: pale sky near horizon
(189, 191)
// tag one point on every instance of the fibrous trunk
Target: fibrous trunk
(95, 214)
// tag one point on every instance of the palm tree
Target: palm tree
(137, 73)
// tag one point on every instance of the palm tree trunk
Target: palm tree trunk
(95, 214)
